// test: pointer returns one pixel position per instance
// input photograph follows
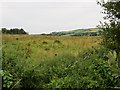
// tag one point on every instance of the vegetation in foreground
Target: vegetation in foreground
(57, 62)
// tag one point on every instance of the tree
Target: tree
(111, 29)
(13, 31)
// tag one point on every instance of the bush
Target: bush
(57, 41)
(88, 69)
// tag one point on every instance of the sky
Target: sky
(50, 15)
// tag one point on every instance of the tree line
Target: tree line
(13, 31)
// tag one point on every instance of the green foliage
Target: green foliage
(111, 36)
(13, 31)
(89, 69)
(111, 9)
(111, 30)
(78, 32)
(57, 41)
(62, 62)
(83, 72)
(7, 79)
(44, 42)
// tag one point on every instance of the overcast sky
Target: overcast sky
(46, 17)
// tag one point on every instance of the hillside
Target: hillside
(77, 32)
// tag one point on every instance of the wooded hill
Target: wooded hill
(78, 32)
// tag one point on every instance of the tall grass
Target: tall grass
(57, 62)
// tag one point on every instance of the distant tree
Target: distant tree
(13, 31)
(43, 34)
(3, 30)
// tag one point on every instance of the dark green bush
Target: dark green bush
(57, 41)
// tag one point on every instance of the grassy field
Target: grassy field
(34, 61)
(48, 46)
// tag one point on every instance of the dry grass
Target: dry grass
(51, 46)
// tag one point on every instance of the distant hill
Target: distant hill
(77, 32)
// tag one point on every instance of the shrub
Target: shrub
(57, 41)
(44, 42)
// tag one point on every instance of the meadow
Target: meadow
(36, 61)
